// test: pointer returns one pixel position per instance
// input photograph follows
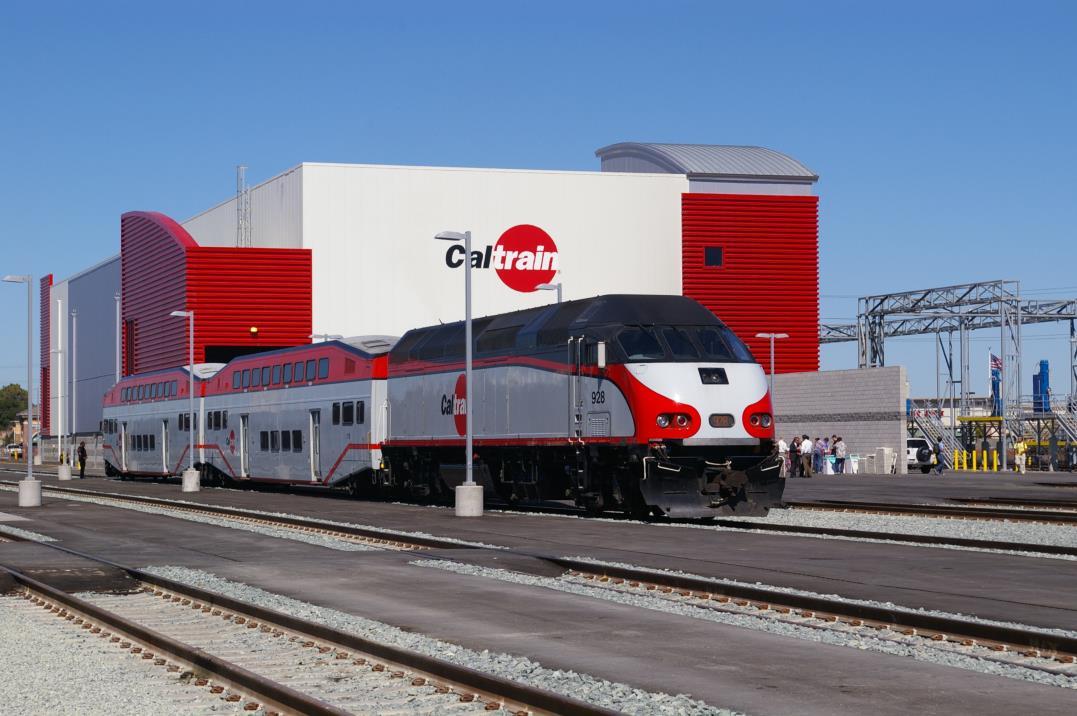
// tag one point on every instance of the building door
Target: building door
(244, 446)
(164, 447)
(315, 445)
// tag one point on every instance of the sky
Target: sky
(943, 132)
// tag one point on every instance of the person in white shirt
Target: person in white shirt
(783, 453)
(806, 446)
(839, 456)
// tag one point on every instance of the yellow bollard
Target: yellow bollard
(975, 463)
(985, 461)
(964, 459)
(994, 460)
(957, 461)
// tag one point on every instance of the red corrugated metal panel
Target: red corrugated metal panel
(46, 355)
(233, 289)
(154, 283)
(769, 277)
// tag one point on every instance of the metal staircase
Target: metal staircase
(928, 423)
(1065, 419)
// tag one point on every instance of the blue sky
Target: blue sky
(943, 132)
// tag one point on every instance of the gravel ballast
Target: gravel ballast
(600, 692)
(25, 534)
(50, 667)
(969, 658)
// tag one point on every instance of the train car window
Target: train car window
(175, 388)
(265, 375)
(310, 369)
(140, 391)
(138, 443)
(360, 413)
(680, 345)
(224, 420)
(640, 344)
(164, 389)
(274, 441)
(297, 441)
(323, 368)
(263, 440)
(287, 372)
(246, 378)
(215, 420)
(153, 391)
(298, 376)
(498, 339)
(276, 374)
(256, 377)
(347, 413)
(153, 442)
(285, 441)
(336, 413)
(237, 379)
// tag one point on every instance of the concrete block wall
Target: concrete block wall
(865, 406)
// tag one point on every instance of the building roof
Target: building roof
(713, 160)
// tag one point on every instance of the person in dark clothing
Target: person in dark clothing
(82, 460)
(939, 466)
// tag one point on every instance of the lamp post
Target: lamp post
(323, 337)
(551, 287)
(64, 471)
(469, 494)
(29, 488)
(772, 337)
(191, 482)
(119, 336)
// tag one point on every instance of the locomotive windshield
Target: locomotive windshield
(682, 343)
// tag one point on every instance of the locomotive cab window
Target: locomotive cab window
(640, 344)
(323, 368)
(680, 345)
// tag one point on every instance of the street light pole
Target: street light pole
(468, 495)
(29, 488)
(191, 482)
(772, 337)
(551, 287)
(119, 337)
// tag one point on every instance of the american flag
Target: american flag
(996, 362)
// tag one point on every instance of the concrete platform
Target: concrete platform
(736, 668)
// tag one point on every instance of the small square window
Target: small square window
(712, 256)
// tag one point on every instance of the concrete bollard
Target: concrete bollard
(63, 473)
(192, 481)
(29, 493)
(469, 501)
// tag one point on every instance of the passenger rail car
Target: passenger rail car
(646, 404)
(311, 415)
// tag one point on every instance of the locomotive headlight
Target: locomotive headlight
(663, 421)
(754, 420)
(681, 420)
(765, 420)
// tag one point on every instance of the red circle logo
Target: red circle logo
(459, 404)
(524, 257)
(232, 441)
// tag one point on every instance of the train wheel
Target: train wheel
(353, 487)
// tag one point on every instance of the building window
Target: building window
(323, 368)
(712, 256)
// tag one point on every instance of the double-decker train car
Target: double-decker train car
(312, 415)
(645, 404)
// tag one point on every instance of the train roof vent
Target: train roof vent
(373, 344)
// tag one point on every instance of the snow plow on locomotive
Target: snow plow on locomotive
(641, 404)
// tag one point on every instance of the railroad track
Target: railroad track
(1029, 503)
(946, 511)
(276, 663)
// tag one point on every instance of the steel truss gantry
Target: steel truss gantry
(961, 309)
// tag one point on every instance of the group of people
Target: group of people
(803, 457)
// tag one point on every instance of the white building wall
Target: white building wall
(276, 215)
(377, 268)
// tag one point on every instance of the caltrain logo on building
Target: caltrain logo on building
(524, 257)
(456, 404)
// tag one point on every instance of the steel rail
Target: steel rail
(950, 511)
(502, 689)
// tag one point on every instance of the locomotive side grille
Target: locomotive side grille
(713, 376)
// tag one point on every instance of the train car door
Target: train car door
(315, 445)
(244, 447)
(164, 446)
(123, 446)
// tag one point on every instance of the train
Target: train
(643, 404)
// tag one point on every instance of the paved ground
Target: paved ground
(751, 671)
